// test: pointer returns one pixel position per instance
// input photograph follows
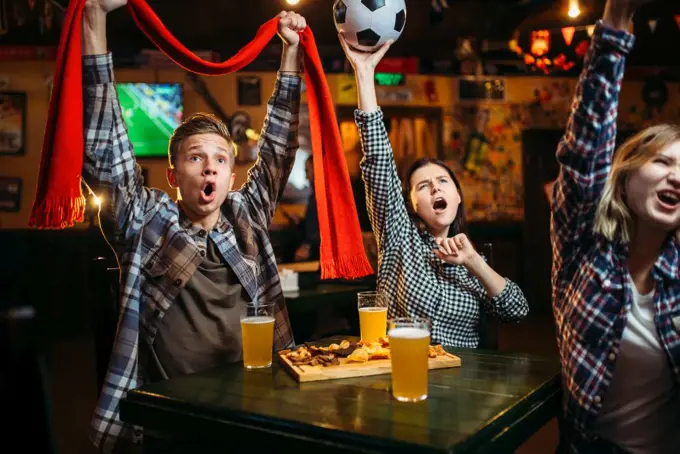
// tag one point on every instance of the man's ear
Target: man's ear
(171, 176)
(231, 180)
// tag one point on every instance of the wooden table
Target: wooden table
(492, 404)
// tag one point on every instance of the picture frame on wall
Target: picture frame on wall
(10, 194)
(12, 123)
(249, 88)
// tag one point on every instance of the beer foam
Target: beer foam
(259, 320)
(372, 309)
(408, 333)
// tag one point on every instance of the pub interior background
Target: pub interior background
(469, 81)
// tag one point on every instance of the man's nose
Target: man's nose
(210, 168)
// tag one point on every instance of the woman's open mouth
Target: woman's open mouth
(669, 199)
(439, 205)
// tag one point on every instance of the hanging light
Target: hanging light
(574, 10)
(292, 2)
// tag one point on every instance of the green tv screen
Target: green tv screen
(151, 113)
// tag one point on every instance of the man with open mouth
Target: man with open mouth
(188, 266)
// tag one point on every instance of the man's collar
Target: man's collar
(187, 224)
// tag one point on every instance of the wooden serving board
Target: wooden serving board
(354, 369)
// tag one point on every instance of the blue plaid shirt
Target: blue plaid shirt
(592, 293)
(157, 246)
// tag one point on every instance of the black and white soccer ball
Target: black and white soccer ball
(368, 24)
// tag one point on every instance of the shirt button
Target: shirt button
(597, 399)
(178, 282)
(201, 233)
(202, 253)
(612, 356)
(606, 283)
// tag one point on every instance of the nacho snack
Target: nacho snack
(436, 350)
(346, 352)
(360, 355)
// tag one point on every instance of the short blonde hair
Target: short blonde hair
(199, 123)
(613, 218)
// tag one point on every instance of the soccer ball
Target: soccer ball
(368, 24)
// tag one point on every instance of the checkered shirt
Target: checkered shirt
(416, 280)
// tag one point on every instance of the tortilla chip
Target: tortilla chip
(360, 355)
(379, 353)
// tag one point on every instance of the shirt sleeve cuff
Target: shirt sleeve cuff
(504, 294)
(287, 89)
(364, 118)
(98, 69)
(608, 37)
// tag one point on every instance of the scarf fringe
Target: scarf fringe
(346, 267)
(57, 212)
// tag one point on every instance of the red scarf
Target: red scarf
(59, 201)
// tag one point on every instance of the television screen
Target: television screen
(151, 113)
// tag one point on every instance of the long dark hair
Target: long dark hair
(409, 166)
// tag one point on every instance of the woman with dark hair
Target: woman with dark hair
(426, 263)
(459, 224)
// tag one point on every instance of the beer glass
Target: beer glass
(257, 332)
(372, 315)
(409, 345)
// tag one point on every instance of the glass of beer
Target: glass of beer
(409, 346)
(372, 315)
(257, 332)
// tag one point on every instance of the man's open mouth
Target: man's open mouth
(439, 205)
(208, 189)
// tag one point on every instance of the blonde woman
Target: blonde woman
(616, 264)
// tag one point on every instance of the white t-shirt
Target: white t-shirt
(641, 409)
